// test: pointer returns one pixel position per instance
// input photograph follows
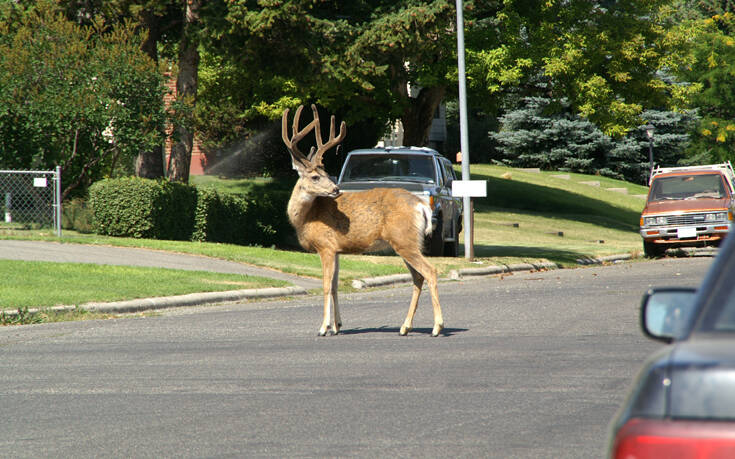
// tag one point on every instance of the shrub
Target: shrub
(142, 208)
(76, 215)
(255, 219)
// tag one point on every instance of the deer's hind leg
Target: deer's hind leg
(418, 283)
(419, 265)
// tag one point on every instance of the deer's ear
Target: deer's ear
(298, 165)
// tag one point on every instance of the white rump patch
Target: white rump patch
(423, 218)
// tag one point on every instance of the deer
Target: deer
(331, 223)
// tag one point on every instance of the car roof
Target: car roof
(392, 150)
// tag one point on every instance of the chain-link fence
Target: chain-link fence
(30, 200)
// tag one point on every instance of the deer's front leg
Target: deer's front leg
(330, 271)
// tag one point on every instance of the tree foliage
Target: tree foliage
(541, 133)
(357, 59)
(710, 66)
(602, 57)
(74, 96)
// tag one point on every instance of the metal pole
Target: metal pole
(650, 157)
(57, 201)
(463, 137)
(8, 206)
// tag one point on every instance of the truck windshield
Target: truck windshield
(687, 187)
(415, 168)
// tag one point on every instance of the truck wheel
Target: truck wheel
(451, 249)
(653, 250)
(434, 244)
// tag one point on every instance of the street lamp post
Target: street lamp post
(649, 132)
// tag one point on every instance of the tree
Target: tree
(186, 89)
(404, 59)
(81, 97)
(159, 22)
(709, 67)
(369, 61)
(547, 135)
(542, 134)
(602, 57)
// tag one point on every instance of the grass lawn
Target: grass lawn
(528, 216)
(44, 284)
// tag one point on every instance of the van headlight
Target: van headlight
(655, 221)
(715, 217)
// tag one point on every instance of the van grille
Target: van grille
(688, 219)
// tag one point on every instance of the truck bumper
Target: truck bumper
(686, 235)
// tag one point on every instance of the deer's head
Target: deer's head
(312, 176)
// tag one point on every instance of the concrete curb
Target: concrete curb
(197, 299)
(192, 299)
(458, 274)
(607, 259)
(381, 281)
(455, 274)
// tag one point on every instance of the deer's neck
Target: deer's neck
(299, 206)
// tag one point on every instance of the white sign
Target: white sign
(39, 182)
(471, 188)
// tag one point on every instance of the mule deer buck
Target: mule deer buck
(329, 222)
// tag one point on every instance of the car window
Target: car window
(417, 168)
(719, 312)
(725, 320)
(687, 187)
(448, 170)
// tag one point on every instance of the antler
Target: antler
(315, 156)
(292, 142)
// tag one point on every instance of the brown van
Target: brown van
(687, 206)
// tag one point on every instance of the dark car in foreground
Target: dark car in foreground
(682, 404)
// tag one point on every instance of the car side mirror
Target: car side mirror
(666, 313)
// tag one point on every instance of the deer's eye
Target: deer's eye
(315, 178)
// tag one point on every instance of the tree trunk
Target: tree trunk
(417, 117)
(186, 89)
(149, 164)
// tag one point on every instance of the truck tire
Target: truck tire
(653, 250)
(451, 248)
(434, 244)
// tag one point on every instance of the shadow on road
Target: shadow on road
(385, 329)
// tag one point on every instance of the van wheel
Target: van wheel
(653, 250)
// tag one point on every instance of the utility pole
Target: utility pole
(463, 136)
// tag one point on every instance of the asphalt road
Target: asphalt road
(531, 365)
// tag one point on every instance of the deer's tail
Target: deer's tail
(424, 219)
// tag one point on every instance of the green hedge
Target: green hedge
(142, 208)
(256, 219)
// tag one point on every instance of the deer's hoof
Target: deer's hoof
(404, 330)
(437, 330)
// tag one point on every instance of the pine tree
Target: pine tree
(542, 134)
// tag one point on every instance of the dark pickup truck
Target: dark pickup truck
(422, 171)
